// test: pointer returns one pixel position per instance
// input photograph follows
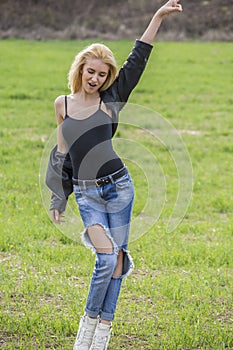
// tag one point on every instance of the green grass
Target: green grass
(179, 295)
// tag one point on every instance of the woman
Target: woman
(87, 120)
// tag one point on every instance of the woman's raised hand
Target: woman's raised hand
(170, 7)
(151, 31)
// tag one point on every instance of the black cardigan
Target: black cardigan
(59, 171)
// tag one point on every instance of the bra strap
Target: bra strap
(65, 106)
(100, 102)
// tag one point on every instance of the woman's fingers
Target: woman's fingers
(170, 7)
(174, 6)
(56, 216)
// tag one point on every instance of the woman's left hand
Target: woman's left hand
(170, 7)
(56, 216)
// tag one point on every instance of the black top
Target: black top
(89, 143)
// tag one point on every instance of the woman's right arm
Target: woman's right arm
(59, 112)
(56, 215)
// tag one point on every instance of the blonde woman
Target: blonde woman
(84, 162)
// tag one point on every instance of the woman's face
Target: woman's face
(94, 75)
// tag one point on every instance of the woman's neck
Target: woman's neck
(85, 98)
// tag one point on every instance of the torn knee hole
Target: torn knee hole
(119, 267)
(99, 238)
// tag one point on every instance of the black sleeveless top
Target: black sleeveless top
(89, 143)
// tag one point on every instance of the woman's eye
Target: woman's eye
(102, 75)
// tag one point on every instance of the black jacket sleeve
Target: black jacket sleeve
(132, 69)
(59, 179)
(118, 93)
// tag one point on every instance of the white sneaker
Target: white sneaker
(85, 333)
(101, 337)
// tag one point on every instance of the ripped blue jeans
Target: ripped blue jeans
(109, 206)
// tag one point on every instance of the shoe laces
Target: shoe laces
(100, 342)
(85, 337)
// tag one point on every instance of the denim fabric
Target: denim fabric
(100, 282)
(111, 207)
(110, 301)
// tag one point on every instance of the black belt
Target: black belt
(101, 181)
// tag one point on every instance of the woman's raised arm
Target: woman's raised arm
(151, 31)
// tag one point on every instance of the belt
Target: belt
(101, 181)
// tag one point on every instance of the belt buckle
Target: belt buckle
(97, 183)
(101, 182)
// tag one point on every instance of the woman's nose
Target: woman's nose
(95, 77)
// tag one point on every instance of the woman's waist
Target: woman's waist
(102, 178)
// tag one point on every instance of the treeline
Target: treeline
(70, 19)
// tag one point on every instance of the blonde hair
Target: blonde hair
(94, 51)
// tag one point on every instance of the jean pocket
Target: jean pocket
(78, 193)
(77, 189)
(124, 182)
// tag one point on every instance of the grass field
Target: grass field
(179, 295)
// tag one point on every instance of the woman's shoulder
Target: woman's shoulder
(60, 108)
(59, 101)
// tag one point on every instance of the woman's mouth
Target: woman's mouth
(92, 85)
